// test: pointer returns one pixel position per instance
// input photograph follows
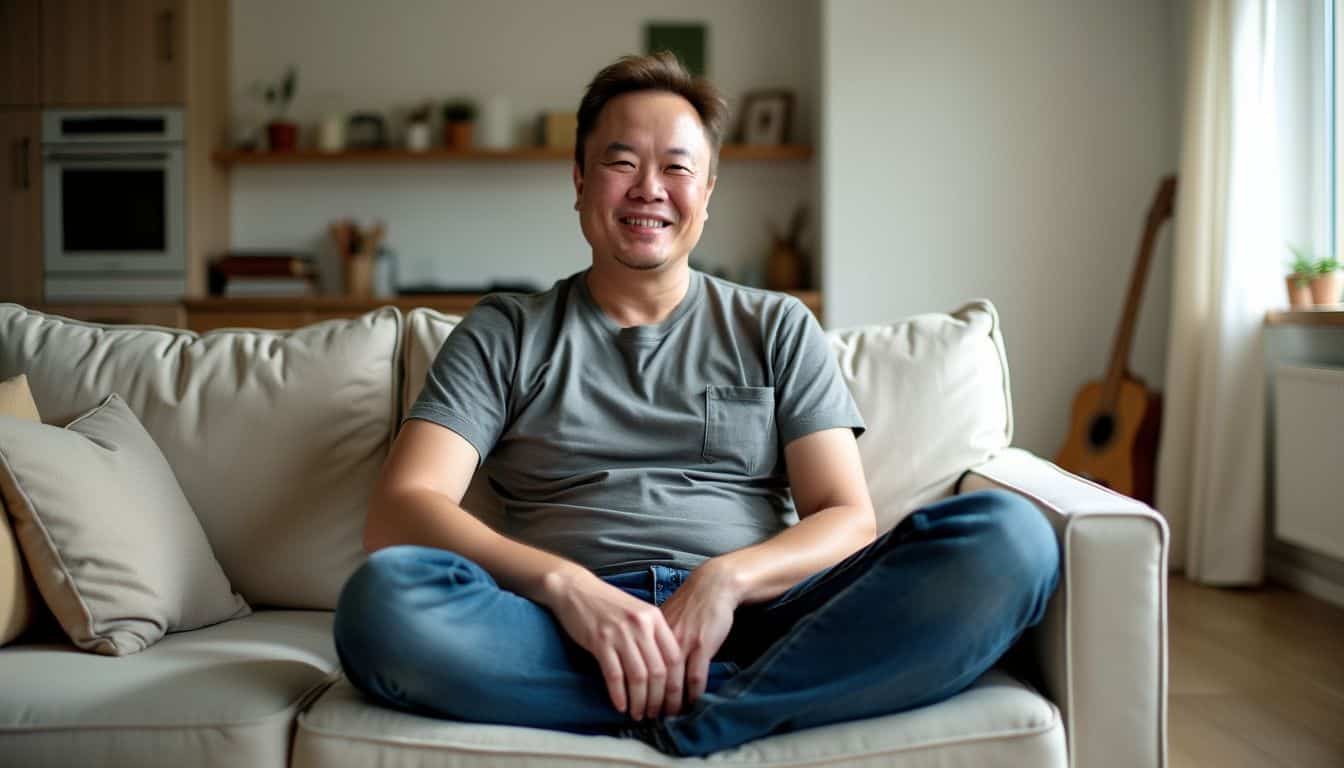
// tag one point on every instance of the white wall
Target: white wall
(474, 223)
(1006, 149)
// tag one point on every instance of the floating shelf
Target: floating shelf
(229, 158)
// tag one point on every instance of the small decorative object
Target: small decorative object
(496, 124)
(417, 129)
(1325, 285)
(786, 267)
(366, 130)
(557, 130)
(1300, 273)
(766, 117)
(458, 117)
(281, 135)
(357, 249)
(686, 41)
(331, 134)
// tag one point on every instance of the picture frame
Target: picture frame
(766, 117)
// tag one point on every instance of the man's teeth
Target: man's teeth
(644, 222)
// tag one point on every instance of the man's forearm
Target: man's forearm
(427, 518)
(766, 570)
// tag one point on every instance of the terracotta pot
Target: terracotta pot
(282, 136)
(457, 135)
(1325, 289)
(785, 269)
(1299, 292)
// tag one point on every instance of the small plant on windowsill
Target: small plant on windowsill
(458, 117)
(1301, 270)
(1325, 284)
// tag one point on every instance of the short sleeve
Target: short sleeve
(810, 393)
(467, 387)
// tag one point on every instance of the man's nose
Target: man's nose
(648, 186)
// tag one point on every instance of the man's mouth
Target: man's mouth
(644, 222)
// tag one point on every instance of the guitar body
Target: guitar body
(1117, 447)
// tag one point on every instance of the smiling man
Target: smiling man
(652, 432)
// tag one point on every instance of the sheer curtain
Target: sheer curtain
(1226, 275)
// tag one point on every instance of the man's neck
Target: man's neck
(632, 297)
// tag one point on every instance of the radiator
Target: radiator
(1309, 458)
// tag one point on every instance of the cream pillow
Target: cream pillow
(113, 544)
(17, 598)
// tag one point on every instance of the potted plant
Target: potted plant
(281, 135)
(457, 121)
(1325, 285)
(1301, 270)
(417, 129)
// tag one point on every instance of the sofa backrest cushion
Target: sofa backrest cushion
(933, 390)
(276, 437)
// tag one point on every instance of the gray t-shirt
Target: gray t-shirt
(620, 448)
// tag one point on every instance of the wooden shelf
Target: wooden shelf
(1328, 315)
(229, 158)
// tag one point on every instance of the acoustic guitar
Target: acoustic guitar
(1115, 422)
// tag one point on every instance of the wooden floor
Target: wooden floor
(1256, 679)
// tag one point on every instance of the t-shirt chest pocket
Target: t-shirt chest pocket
(740, 427)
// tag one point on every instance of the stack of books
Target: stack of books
(251, 274)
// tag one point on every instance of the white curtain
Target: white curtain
(1226, 275)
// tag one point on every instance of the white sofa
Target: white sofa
(276, 438)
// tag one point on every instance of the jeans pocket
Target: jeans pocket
(740, 428)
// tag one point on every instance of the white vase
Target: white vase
(496, 126)
(331, 134)
(417, 137)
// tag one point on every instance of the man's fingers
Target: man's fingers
(614, 676)
(657, 677)
(697, 672)
(636, 677)
(676, 670)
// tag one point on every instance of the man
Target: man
(631, 421)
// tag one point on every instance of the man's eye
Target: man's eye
(679, 168)
(625, 163)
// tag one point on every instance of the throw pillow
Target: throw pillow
(17, 598)
(113, 544)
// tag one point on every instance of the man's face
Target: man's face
(643, 196)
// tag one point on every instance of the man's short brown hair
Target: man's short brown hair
(656, 72)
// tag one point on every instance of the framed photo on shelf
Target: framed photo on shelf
(766, 117)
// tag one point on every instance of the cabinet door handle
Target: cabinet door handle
(166, 36)
(25, 181)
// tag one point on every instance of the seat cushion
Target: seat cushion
(276, 437)
(933, 390)
(997, 722)
(226, 695)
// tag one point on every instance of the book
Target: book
(258, 287)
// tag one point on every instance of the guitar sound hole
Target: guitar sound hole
(1101, 431)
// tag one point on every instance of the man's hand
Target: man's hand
(641, 661)
(700, 614)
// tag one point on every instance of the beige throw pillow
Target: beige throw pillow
(113, 544)
(18, 599)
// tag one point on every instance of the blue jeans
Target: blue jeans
(909, 620)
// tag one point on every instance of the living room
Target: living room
(902, 161)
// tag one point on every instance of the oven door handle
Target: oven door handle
(73, 157)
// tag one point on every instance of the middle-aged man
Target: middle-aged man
(650, 431)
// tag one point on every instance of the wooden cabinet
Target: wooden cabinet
(21, 206)
(20, 33)
(113, 52)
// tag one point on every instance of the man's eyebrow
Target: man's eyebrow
(617, 146)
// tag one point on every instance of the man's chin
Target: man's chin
(642, 264)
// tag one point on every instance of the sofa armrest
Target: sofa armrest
(1102, 647)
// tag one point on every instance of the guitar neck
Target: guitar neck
(1124, 335)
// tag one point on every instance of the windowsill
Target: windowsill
(1327, 315)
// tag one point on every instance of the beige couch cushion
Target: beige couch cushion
(276, 437)
(17, 596)
(112, 543)
(933, 390)
(224, 696)
(997, 722)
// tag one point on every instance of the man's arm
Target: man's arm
(835, 519)
(417, 501)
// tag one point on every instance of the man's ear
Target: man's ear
(578, 185)
(709, 191)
